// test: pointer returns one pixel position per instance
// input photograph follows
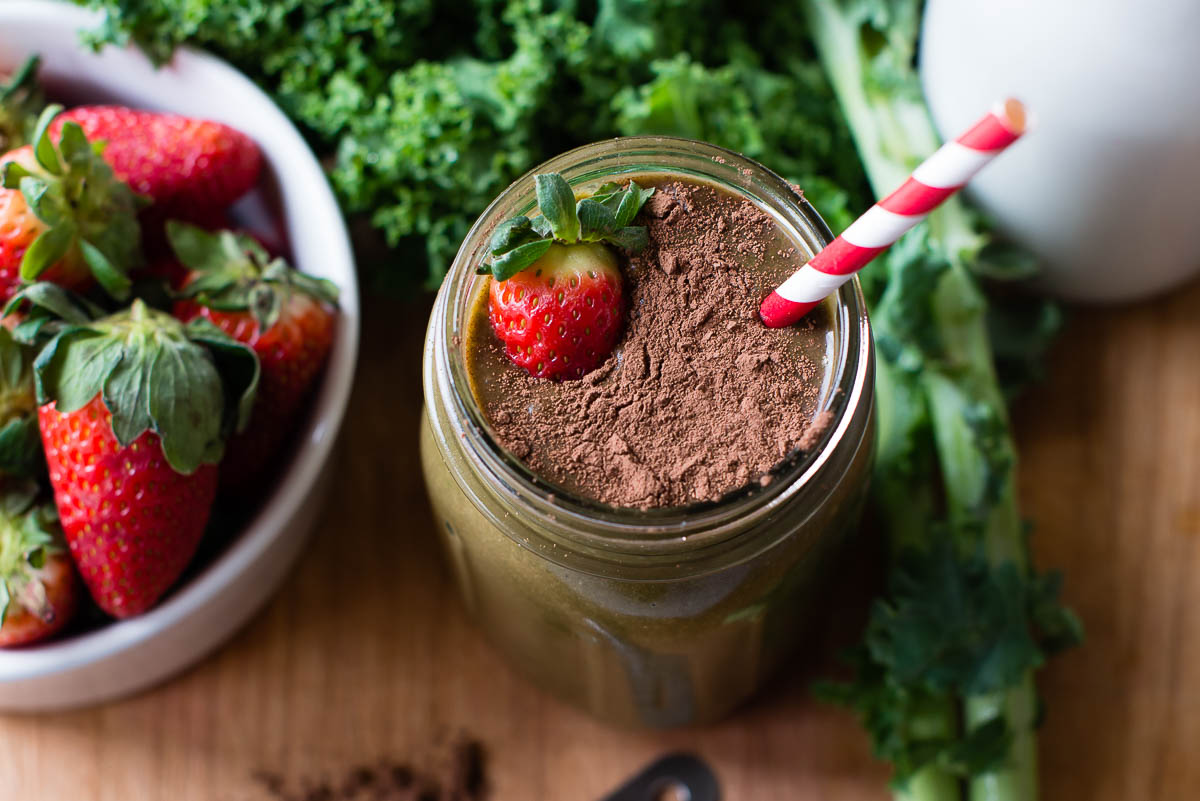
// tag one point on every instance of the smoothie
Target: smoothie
(649, 541)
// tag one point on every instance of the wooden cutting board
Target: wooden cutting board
(366, 654)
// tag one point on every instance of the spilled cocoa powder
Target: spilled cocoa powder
(458, 775)
(699, 399)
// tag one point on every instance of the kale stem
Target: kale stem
(869, 64)
(968, 383)
(931, 783)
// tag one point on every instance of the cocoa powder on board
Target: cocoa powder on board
(700, 398)
(457, 774)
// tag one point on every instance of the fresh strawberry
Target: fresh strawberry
(132, 522)
(187, 167)
(135, 411)
(560, 317)
(64, 216)
(38, 589)
(285, 316)
(556, 299)
(21, 101)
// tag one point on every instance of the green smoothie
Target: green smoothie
(649, 542)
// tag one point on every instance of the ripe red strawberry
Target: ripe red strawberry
(556, 298)
(561, 316)
(286, 317)
(38, 588)
(136, 409)
(132, 522)
(64, 216)
(185, 166)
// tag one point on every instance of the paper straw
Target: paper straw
(938, 177)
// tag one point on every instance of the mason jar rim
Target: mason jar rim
(589, 526)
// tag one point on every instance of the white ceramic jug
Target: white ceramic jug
(1106, 187)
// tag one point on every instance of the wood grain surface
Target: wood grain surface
(366, 654)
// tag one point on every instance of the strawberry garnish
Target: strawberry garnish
(136, 409)
(562, 317)
(38, 588)
(556, 299)
(64, 216)
(285, 316)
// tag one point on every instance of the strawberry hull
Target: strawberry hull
(20, 227)
(292, 353)
(24, 627)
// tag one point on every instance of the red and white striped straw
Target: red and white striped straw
(938, 177)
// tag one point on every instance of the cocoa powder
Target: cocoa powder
(699, 399)
(455, 775)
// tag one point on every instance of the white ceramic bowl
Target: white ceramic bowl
(129, 655)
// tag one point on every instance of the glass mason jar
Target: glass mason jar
(649, 618)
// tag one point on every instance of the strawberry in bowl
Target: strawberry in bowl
(143, 389)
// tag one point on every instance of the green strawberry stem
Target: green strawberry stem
(233, 272)
(28, 534)
(190, 384)
(20, 443)
(604, 217)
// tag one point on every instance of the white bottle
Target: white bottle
(1105, 188)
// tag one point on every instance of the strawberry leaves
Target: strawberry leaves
(20, 442)
(604, 217)
(28, 533)
(90, 215)
(233, 272)
(505, 265)
(557, 203)
(191, 385)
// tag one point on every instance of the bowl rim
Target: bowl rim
(292, 487)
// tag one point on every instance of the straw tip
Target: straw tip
(779, 312)
(1013, 114)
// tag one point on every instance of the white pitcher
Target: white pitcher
(1106, 187)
